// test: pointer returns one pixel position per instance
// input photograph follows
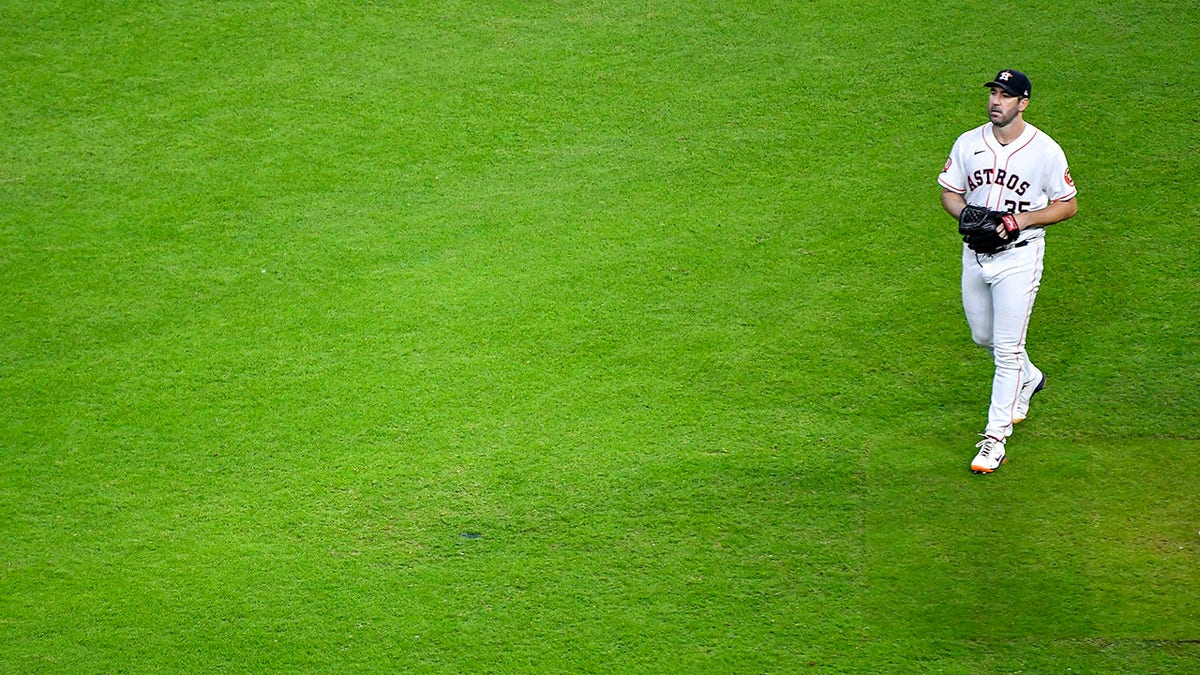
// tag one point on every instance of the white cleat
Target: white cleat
(991, 455)
(1024, 397)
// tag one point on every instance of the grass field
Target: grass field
(603, 336)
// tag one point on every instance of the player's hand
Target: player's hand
(986, 231)
(1006, 226)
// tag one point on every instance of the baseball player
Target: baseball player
(1005, 181)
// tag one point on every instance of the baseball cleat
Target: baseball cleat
(1025, 396)
(991, 455)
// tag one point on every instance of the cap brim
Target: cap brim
(1006, 87)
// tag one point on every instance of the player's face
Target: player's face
(1003, 107)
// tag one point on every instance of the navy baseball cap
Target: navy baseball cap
(1013, 81)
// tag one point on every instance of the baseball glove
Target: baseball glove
(987, 231)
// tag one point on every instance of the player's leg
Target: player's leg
(976, 299)
(977, 304)
(1014, 289)
(1033, 380)
(1031, 384)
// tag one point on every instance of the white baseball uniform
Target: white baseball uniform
(998, 290)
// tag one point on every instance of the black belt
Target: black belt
(1019, 244)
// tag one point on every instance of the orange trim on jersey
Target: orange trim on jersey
(951, 188)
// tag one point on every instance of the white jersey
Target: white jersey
(1025, 175)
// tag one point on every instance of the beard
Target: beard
(1001, 119)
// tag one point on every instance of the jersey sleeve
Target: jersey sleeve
(1059, 185)
(954, 176)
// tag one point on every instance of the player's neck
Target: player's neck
(1009, 132)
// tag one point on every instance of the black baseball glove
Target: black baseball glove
(987, 231)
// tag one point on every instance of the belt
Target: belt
(1019, 244)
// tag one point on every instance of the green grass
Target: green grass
(582, 337)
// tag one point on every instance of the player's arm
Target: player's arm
(953, 202)
(1055, 212)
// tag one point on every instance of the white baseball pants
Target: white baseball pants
(998, 293)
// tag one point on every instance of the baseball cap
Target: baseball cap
(1013, 81)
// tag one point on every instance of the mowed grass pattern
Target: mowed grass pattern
(581, 337)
